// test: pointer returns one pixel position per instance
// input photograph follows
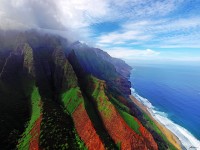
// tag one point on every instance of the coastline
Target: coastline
(169, 135)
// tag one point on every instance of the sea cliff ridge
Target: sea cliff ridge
(61, 95)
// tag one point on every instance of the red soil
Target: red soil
(147, 136)
(86, 130)
(35, 133)
(122, 100)
(121, 132)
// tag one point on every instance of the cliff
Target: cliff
(98, 63)
(56, 95)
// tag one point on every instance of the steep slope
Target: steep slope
(121, 67)
(64, 90)
(53, 97)
(74, 104)
(118, 85)
(100, 64)
(31, 135)
(121, 133)
(15, 91)
(39, 134)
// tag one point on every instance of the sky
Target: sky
(149, 30)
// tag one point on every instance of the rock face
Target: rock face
(121, 67)
(56, 95)
(100, 64)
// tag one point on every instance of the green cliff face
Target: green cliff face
(53, 97)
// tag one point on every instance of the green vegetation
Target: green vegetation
(57, 129)
(132, 123)
(103, 104)
(119, 105)
(124, 112)
(81, 144)
(98, 94)
(72, 99)
(36, 111)
(97, 66)
(98, 124)
(119, 145)
(93, 113)
(43, 59)
(153, 126)
(70, 79)
(69, 74)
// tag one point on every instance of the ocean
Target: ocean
(172, 95)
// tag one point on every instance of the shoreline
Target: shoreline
(169, 135)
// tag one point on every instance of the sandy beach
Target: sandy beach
(170, 136)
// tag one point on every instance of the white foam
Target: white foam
(186, 138)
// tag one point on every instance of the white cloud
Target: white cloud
(138, 8)
(69, 16)
(76, 15)
(153, 56)
(122, 37)
(128, 53)
(171, 33)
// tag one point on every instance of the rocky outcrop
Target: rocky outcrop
(121, 67)
(98, 63)
(28, 59)
(15, 89)
(64, 75)
(12, 66)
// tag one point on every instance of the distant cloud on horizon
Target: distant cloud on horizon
(132, 53)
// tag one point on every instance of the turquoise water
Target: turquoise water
(173, 92)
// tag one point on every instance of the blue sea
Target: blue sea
(171, 92)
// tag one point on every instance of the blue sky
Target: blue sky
(154, 30)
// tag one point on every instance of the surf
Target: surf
(187, 140)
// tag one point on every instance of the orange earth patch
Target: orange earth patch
(147, 136)
(120, 131)
(86, 129)
(35, 134)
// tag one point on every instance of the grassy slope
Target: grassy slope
(124, 112)
(122, 109)
(57, 129)
(71, 99)
(36, 112)
(130, 121)
(153, 126)
(95, 117)
(99, 94)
